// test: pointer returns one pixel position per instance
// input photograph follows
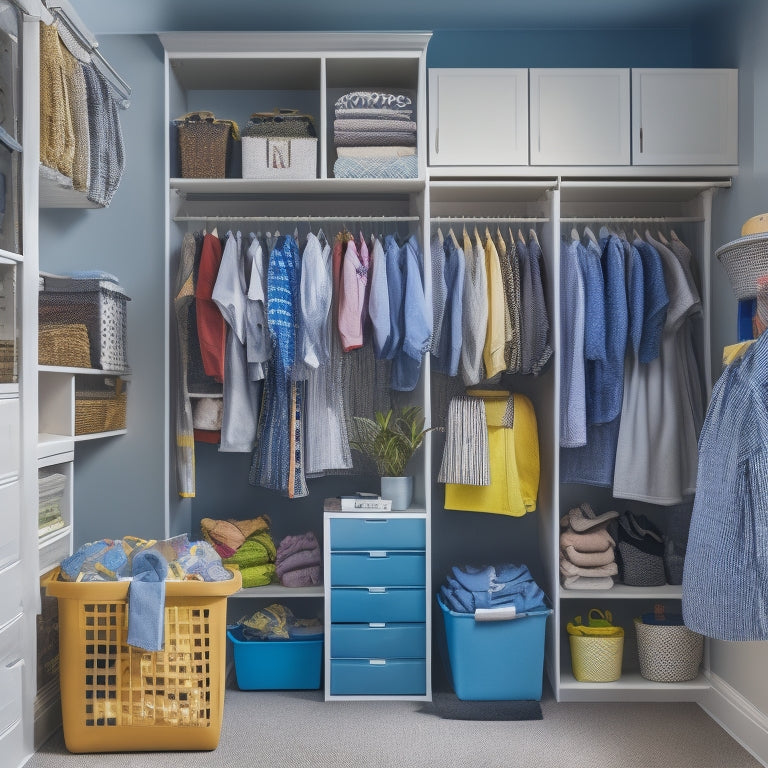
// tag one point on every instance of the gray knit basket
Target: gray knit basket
(744, 260)
(668, 653)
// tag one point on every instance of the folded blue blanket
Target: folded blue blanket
(470, 587)
(376, 167)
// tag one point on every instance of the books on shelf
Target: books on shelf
(359, 502)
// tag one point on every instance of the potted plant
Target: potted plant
(388, 441)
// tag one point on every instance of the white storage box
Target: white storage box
(279, 158)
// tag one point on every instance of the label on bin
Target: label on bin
(496, 614)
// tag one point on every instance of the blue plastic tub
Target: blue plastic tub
(494, 660)
(269, 665)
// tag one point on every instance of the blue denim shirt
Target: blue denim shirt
(726, 561)
(446, 360)
(655, 301)
(395, 289)
(416, 330)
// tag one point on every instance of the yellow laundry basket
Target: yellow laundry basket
(118, 698)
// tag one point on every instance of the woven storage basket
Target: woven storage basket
(100, 406)
(668, 653)
(64, 344)
(744, 260)
(596, 659)
(279, 158)
(205, 144)
(8, 367)
(100, 305)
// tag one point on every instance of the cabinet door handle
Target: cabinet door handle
(377, 553)
(14, 664)
(377, 662)
(377, 590)
(641, 138)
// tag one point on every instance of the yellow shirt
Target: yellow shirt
(493, 351)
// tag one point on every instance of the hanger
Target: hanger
(535, 237)
(501, 245)
(520, 235)
(591, 235)
(663, 239)
(477, 237)
(635, 235)
(674, 236)
(215, 231)
(575, 234)
(440, 235)
(453, 237)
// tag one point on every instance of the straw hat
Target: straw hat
(746, 258)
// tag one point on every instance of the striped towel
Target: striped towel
(465, 456)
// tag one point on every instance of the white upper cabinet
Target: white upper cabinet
(580, 117)
(478, 117)
(685, 116)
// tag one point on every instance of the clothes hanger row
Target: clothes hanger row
(299, 219)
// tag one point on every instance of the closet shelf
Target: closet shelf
(619, 172)
(60, 194)
(278, 591)
(9, 257)
(49, 445)
(207, 188)
(632, 686)
(623, 592)
(82, 371)
(99, 435)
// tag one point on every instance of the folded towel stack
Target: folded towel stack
(587, 550)
(246, 544)
(470, 587)
(375, 136)
(299, 561)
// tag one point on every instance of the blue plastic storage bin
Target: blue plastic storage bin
(269, 665)
(494, 660)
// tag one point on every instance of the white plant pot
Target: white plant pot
(399, 490)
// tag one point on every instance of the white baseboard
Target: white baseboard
(738, 716)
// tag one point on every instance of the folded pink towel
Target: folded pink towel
(583, 582)
(567, 568)
(589, 559)
(301, 559)
(589, 541)
(303, 577)
(292, 544)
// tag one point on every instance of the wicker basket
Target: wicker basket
(8, 362)
(669, 653)
(100, 305)
(64, 344)
(205, 144)
(596, 659)
(744, 260)
(100, 406)
(279, 158)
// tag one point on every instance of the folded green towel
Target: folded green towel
(258, 575)
(255, 550)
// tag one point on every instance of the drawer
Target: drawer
(53, 551)
(10, 523)
(378, 533)
(388, 604)
(10, 592)
(11, 664)
(382, 641)
(378, 677)
(378, 569)
(10, 448)
(12, 744)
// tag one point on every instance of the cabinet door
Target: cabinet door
(478, 116)
(580, 117)
(685, 116)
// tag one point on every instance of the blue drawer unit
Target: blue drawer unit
(378, 569)
(383, 641)
(379, 677)
(372, 604)
(378, 533)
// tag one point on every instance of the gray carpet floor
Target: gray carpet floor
(299, 730)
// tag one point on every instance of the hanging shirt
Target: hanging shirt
(396, 293)
(542, 351)
(474, 314)
(573, 406)
(211, 328)
(633, 265)
(439, 288)
(527, 330)
(515, 352)
(449, 350)
(417, 320)
(507, 282)
(315, 296)
(354, 277)
(257, 344)
(378, 298)
(495, 336)
(726, 569)
(240, 414)
(655, 301)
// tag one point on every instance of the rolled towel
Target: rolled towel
(290, 545)
(567, 568)
(584, 518)
(255, 550)
(590, 541)
(146, 601)
(589, 559)
(582, 582)
(227, 536)
(257, 575)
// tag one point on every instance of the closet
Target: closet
(234, 75)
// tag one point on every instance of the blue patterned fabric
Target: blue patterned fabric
(655, 301)
(276, 462)
(725, 577)
(448, 350)
(376, 167)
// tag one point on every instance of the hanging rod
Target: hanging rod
(631, 219)
(60, 14)
(296, 218)
(495, 219)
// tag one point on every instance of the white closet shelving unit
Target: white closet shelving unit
(674, 194)
(233, 75)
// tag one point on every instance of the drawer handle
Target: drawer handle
(14, 664)
(376, 624)
(377, 662)
(375, 520)
(377, 590)
(377, 553)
